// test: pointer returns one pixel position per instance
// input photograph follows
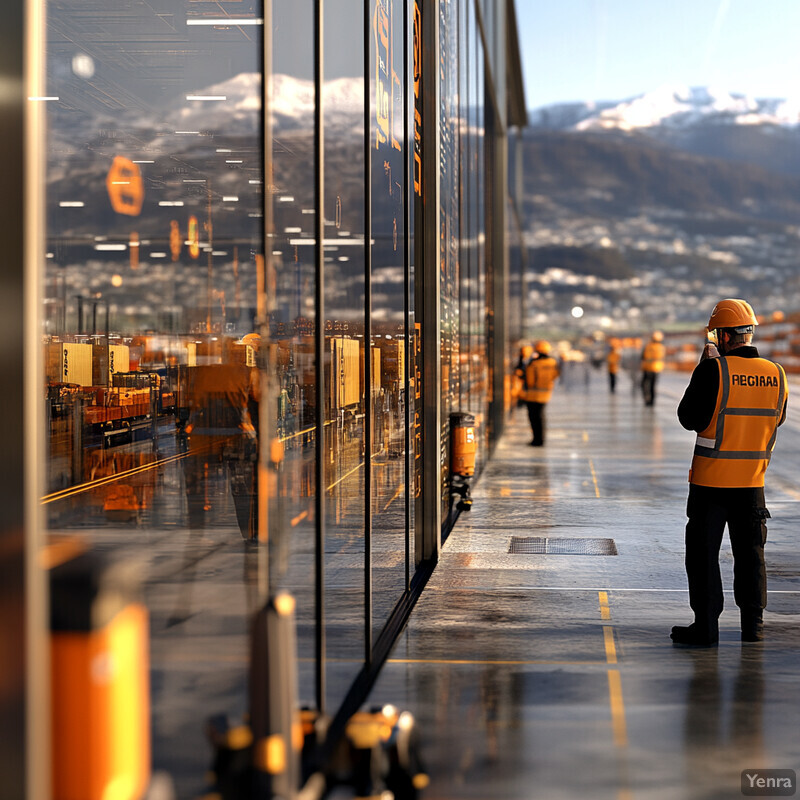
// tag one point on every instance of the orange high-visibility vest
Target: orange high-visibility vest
(613, 359)
(734, 450)
(653, 357)
(540, 377)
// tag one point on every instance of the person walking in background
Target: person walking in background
(735, 401)
(613, 360)
(541, 374)
(652, 363)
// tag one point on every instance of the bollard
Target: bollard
(100, 681)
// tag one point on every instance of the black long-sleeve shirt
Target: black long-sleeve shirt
(700, 398)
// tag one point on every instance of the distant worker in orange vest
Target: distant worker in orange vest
(735, 402)
(652, 363)
(541, 374)
(612, 363)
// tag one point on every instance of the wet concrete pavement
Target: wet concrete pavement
(553, 675)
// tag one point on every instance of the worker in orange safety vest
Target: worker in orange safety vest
(541, 373)
(735, 402)
(612, 364)
(652, 364)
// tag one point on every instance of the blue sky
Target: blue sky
(614, 49)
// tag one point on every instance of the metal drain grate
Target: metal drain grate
(556, 546)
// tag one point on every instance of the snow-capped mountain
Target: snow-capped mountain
(670, 106)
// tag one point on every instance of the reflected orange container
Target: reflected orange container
(464, 444)
(100, 684)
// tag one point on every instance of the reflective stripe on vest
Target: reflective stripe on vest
(735, 449)
(540, 377)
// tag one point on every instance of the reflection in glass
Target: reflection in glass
(389, 334)
(293, 317)
(154, 241)
(345, 351)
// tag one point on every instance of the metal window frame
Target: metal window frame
(24, 714)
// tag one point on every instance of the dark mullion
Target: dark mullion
(367, 343)
(319, 352)
(408, 215)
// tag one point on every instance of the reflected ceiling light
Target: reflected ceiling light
(120, 183)
(307, 211)
(189, 133)
(311, 241)
(83, 65)
(255, 182)
(48, 255)
(43, 99)
(143, 161)
(206, 97)
(71, 204)
(158, 255)
(344, 258)
(111, 247)
(255, 214)
(292, 230)
(286, 199)
(343, 233)
(230, 198)
(277, 252)
(170, 202)
(577, 312)
(234, 161)
(116, 280)
(133, 243)
(224, 150)
(219, 252)
(194, 180)
(228, 21)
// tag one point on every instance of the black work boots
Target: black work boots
(694, 636)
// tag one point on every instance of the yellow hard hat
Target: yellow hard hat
(543, 347)
(732, 313)
(526, 351)
(658, 336)
(253, 339)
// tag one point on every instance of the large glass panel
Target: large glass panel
(154, 238)
(448, 232)
(388, 345)
(345, 412)
(293, 318)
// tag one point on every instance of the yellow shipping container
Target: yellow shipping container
(76, 363)
(119, 360)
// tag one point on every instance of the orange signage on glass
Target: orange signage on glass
(125, 187)
(193, 237)
(175, 240)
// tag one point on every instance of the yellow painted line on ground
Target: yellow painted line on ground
(395, 496)
(585, 436)
(119, 476)
(605, 611)
(345, 476)
(608, 639)
(299, 518)
(617, 709)
(594, 478)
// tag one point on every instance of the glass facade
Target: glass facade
(266, 228)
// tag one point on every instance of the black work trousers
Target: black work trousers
(709, 509)
(536, 417)
(649, 387)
